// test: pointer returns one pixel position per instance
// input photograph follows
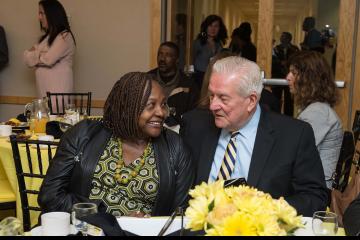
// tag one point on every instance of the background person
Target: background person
(52, 56)
(312, 40)
(312, 82)
(181, 90)
(4, 52)
(127, 163)
(241, 42)
(209, 42)
(274, 153)
(283, 52)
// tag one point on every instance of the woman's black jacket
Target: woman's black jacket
(70, 173)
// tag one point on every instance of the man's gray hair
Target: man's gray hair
(248, 72)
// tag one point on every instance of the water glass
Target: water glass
(325, 223)
(81, 210)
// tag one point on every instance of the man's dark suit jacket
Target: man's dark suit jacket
(285, 161)
(352, 218)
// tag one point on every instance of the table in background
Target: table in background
(9, 172)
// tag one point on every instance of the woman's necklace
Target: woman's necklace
(120, 164)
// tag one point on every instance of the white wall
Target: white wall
(113, 37)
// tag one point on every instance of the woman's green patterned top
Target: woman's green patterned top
(138, 195)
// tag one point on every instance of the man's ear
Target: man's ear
(253, 98)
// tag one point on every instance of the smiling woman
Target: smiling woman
(128, 164)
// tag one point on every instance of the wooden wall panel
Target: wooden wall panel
(265, 35)
(344, 56)
(155, 31)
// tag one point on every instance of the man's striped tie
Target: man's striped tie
(228, 164)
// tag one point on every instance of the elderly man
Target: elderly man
(181, 90)
(274, 153)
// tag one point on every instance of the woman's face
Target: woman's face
(292, 77)
(153, 116)
(42, 18)
(213, 29)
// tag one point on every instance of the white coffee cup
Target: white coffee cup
(5, 130)
(55, 224)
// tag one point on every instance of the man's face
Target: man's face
(167, 60)
(284, 39)
(231, 110)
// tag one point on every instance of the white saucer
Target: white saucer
(43, 147)
(38, 231)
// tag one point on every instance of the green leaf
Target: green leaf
(211, 206)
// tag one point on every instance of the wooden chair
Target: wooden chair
(343, 167)
(348, 150)
(30, 170)
(57, 102)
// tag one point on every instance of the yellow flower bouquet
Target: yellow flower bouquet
(239, 211)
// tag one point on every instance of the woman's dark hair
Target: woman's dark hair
(314, 79)
(125, 104)
(222, 35)
(56, 19)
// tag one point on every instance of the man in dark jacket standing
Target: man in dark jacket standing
(181, 89)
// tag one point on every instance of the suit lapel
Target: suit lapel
(262, 148)
(208, 148)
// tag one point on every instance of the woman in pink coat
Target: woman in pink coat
(52, 57)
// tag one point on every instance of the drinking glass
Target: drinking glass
(70, 108)
(325, 223)
(81, 210)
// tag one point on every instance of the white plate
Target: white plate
(307, 230)
(149, 226)
(45, 147)
(38, 231)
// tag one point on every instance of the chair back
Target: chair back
(58, 101)
(343, 167)
(356, 125)
(31, 167)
